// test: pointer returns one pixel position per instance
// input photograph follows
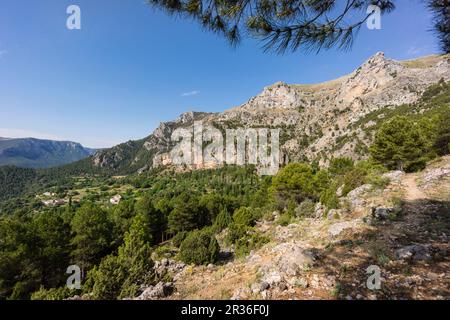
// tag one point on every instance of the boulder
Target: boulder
(381, 213)
(334, 214)
(393, 176)
(336, 228)
(259, 287)
(294, 261)
(272, 278)
(414, 252)
(161, 290)
(319, 210)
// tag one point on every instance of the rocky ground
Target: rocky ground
(403, 229)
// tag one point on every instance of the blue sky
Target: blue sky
(131, 67)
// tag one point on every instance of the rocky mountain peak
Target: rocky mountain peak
(323, 118)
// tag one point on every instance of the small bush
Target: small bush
(235, 232)
(164, 251)
(329, 199)
(284, 219)
(246, 216)
(340, 166)
(199, 247)
(222, 221)
(178, 238)
(353, 179)
(305, 209)
(52, 294)
(251, 241)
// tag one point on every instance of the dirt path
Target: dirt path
(412, 190)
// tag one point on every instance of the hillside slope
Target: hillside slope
(317, 258)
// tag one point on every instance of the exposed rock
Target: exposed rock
(433, 175)
(304, 112)
(414, 252)
(161, 290)
(168, 266)
(355, 198)
(272, 278)
(259, 287)
(394, 176)
(319, 210)
(336, 229)
(241, 294)
(339, 191)
(334, 214)
(380, 213)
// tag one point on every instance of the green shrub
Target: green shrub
(298, 181)
(353, 179)
(235, 232)
(108, 279)
(251, 241)
(340, 166)
(222, 220)
(53, 293)
(246, 216)
(305, 209)
(199, 247)
(329, 199)
(178, 238)
(121, 275)
(163, 251)
(284, 219)
(400, 144)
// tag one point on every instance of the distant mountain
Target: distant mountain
(36, 153)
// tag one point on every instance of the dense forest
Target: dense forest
(167, 210)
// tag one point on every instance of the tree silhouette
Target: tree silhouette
(290, 25)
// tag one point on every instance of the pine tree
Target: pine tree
(121, 275)
(399, 145)
(92, 239)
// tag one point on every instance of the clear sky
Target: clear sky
(131, 67)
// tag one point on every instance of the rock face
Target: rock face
(433, 175)
(315, 120)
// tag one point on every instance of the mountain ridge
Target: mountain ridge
(317, 120)
(40, 153)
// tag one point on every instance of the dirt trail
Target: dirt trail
(412, 190)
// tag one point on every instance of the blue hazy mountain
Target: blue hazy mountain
(37, 153)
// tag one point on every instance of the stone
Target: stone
(414, 252)
(259, 287)
(393, 176)
(319, 210)
(160, 290)
(337, 228)
(165, 262)
(334, 214)
(272, 278)
(294, 260)
(340, 191)
(354, 196)
(381, 213)
(282, 286)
